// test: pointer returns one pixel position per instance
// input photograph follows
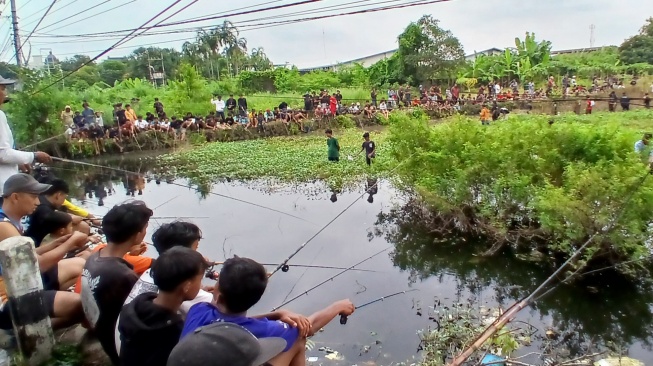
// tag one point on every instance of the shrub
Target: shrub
(530, 184)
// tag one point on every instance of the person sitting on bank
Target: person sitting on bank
(107, 278)
(241, 283)
(168, 236)
(150, 325)
(50, 201)
(20, 198)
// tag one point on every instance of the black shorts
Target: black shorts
(51, 279)
(369, 160)
(331, 158)
(5, 313)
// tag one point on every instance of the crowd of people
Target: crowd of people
(144, 311)
(140, 308)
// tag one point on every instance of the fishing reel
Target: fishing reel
(285, 268)
(210, 273)
(343, 319)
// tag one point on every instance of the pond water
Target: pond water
(385, 332)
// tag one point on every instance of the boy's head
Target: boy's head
(58, 192)
(329, 132)
(126, 223)
(179, 270)
(176, 234)
(156, 99)
(57, 224)
(366, 136)
(241, 284)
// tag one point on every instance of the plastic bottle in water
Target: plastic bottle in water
(4, 358)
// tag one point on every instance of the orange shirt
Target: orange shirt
(139, 262)
(485, 114)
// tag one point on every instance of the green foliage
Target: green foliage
(35, 117)
(290, 159)
(639, 48)
(429, 52)
(560, 183)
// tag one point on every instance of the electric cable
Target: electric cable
(32, 32)
(125, 39)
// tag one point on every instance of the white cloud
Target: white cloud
(479, 24)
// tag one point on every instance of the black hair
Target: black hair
(140, 117)
(328, 130)
(54, 221)
(242, 282)
(175, 267)
(156, 99)
(175, 234)
(56, 186)
(128, 105)
(366, 134)
(648, 136)
(124, 221)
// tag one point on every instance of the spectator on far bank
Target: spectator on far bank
(625, 102)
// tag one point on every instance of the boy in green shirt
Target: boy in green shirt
(333, 146)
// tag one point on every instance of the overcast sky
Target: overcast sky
(479, 24)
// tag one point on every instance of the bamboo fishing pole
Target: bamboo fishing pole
(512, 311)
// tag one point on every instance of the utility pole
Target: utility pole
(14, 21)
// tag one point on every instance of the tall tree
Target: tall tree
(429, 52)
(639, 48)
(258, 60)
(112, 71)
(74, 62)
(166, 60)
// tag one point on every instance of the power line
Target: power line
(82, 12)
(90, 16)
(124, 39)
(276, 24)
(236, 24)
(303, 2)
(37, 25)
(61, 8)
(20, 7)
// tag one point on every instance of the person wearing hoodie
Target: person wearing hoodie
(165, 238)
(150, 326)
(67, 116)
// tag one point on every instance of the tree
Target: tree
(74, 62)
(112, 71)
(168, 60)
(258, 60)
(639, 48)
(429, 52)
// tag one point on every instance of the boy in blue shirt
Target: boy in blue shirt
(241, 284)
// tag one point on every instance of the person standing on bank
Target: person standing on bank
(333, 152)
(10, 158)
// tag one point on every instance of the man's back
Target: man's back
(106, 283)
(204, 314)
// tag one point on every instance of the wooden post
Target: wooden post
(24, 286)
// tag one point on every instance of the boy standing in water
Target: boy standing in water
(333, 146)
(369, 147)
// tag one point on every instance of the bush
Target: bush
(344, 121)
(529, 184)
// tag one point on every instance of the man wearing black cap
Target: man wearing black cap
(223, 344)
(21, 196)
(11, 158)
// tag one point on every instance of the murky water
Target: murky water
(618, 312)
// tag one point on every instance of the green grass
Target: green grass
(289, 159)
(263, 101)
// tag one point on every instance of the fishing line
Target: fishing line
(302, 276)
(305, 266)
(284, 265)
(178, 184)
(343, 318)
(330, 278)
(533, 296)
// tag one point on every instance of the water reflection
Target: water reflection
(616, 315)
(619, 312)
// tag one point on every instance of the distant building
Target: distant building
(372, 59)
(488, 52)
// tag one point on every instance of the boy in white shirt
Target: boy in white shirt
(219, 107)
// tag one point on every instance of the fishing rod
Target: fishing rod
(211, 265)
(284, 265)
(343, 318)
(330, 279)
(512, 311)
(63, 160)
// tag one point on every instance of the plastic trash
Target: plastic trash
(615, 361)
(492, 360)
(350, 158)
